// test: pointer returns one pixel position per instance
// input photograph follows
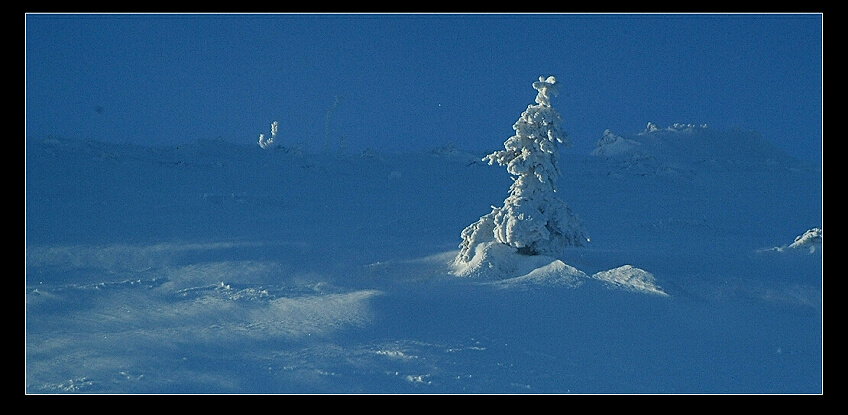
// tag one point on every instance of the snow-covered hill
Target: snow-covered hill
(683, 149)
(214, 267)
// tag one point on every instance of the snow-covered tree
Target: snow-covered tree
(533, 220)
(267, 143)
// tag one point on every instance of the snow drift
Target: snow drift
(215, 267)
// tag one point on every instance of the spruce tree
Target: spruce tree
(533, 219)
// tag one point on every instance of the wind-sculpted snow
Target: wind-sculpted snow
(214, 267)
(120, 257)
(500, 266)
(496, 261)
(809, 242)
(553, 274)
(113, 325)
(630, 278)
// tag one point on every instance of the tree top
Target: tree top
(545, 87)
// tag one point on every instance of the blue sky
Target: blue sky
(414, 81)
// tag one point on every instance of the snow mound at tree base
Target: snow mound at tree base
(555, 273)
(501, 265)
(497, 261)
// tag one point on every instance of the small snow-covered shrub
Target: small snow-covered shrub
(266, 143)
(809, 240)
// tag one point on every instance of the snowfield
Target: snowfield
(215, 267)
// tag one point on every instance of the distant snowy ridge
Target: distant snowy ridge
(679, 147)
(611, 144)
(676, 127)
